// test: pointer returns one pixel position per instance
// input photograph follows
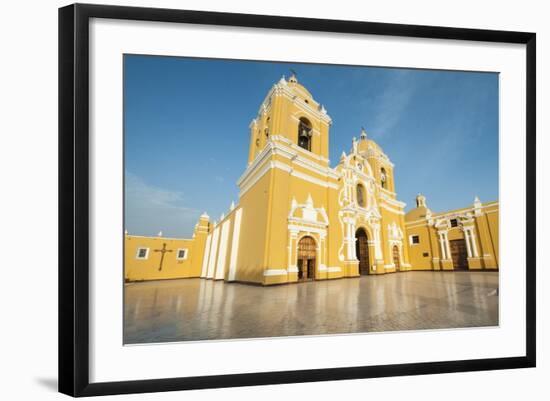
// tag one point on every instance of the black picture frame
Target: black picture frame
(74, 198)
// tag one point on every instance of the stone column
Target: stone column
(474, 244)
(474, 262)
(442, 247)
(353, 240)
(447, 246)
(467, 237)
(377, 247)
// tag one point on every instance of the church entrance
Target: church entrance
(396, 258)
(362, 251)
(459, 254)
(307, 250)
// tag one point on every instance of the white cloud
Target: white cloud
(150, 209)
(391, 105)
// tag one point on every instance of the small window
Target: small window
(415, 239)
(426, 254)
(142, 253)
(182, 254)
(454, 223)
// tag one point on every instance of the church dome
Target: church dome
(365, 144)
(421, 211)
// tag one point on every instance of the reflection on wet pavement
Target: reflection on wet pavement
(197, 309)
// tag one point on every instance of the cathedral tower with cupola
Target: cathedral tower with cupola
(288, 189)
(291, 116)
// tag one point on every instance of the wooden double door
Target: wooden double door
(307, 251)
(362, 251)
(459, 254)
(396, 258)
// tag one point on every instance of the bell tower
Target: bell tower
(289, 115)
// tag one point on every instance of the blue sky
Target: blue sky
(186, 132)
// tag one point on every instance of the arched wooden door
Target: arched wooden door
(396, 258)
(459, 254)
(362, 251)
(307, 250)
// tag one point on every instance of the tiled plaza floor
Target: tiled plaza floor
(196, 309)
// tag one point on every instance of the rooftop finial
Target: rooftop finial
(477, 206)
(309, 201)
(293, 77)
(420, 200)
(363, 133)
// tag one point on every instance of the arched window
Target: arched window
(383, 178)
(304, 134)
(361, 195)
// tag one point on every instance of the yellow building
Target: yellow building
(157, 258)
(300, 219)
(463, 239)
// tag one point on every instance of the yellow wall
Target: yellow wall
(481, 219)
(287, 193)
(149, 268)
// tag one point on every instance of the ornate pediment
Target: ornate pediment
(307, 213)
(394, 232)
(462, 219)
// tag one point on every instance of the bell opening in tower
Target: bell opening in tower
(304, 134)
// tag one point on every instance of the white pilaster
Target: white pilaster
(322, 250)
(349, 240)
(222, 254)
(447, 246)
(474, 244)
(467, 236)
(377, 247)
(292, 249)
(353, 241)
(213, 253)
(206, 256)
(442, 246)
(235, 245)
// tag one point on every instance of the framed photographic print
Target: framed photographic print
(250, 199)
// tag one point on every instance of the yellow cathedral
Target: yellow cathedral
(299, 219)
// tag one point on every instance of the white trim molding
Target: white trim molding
(146, 253)
(275, 272)
(185, 253)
